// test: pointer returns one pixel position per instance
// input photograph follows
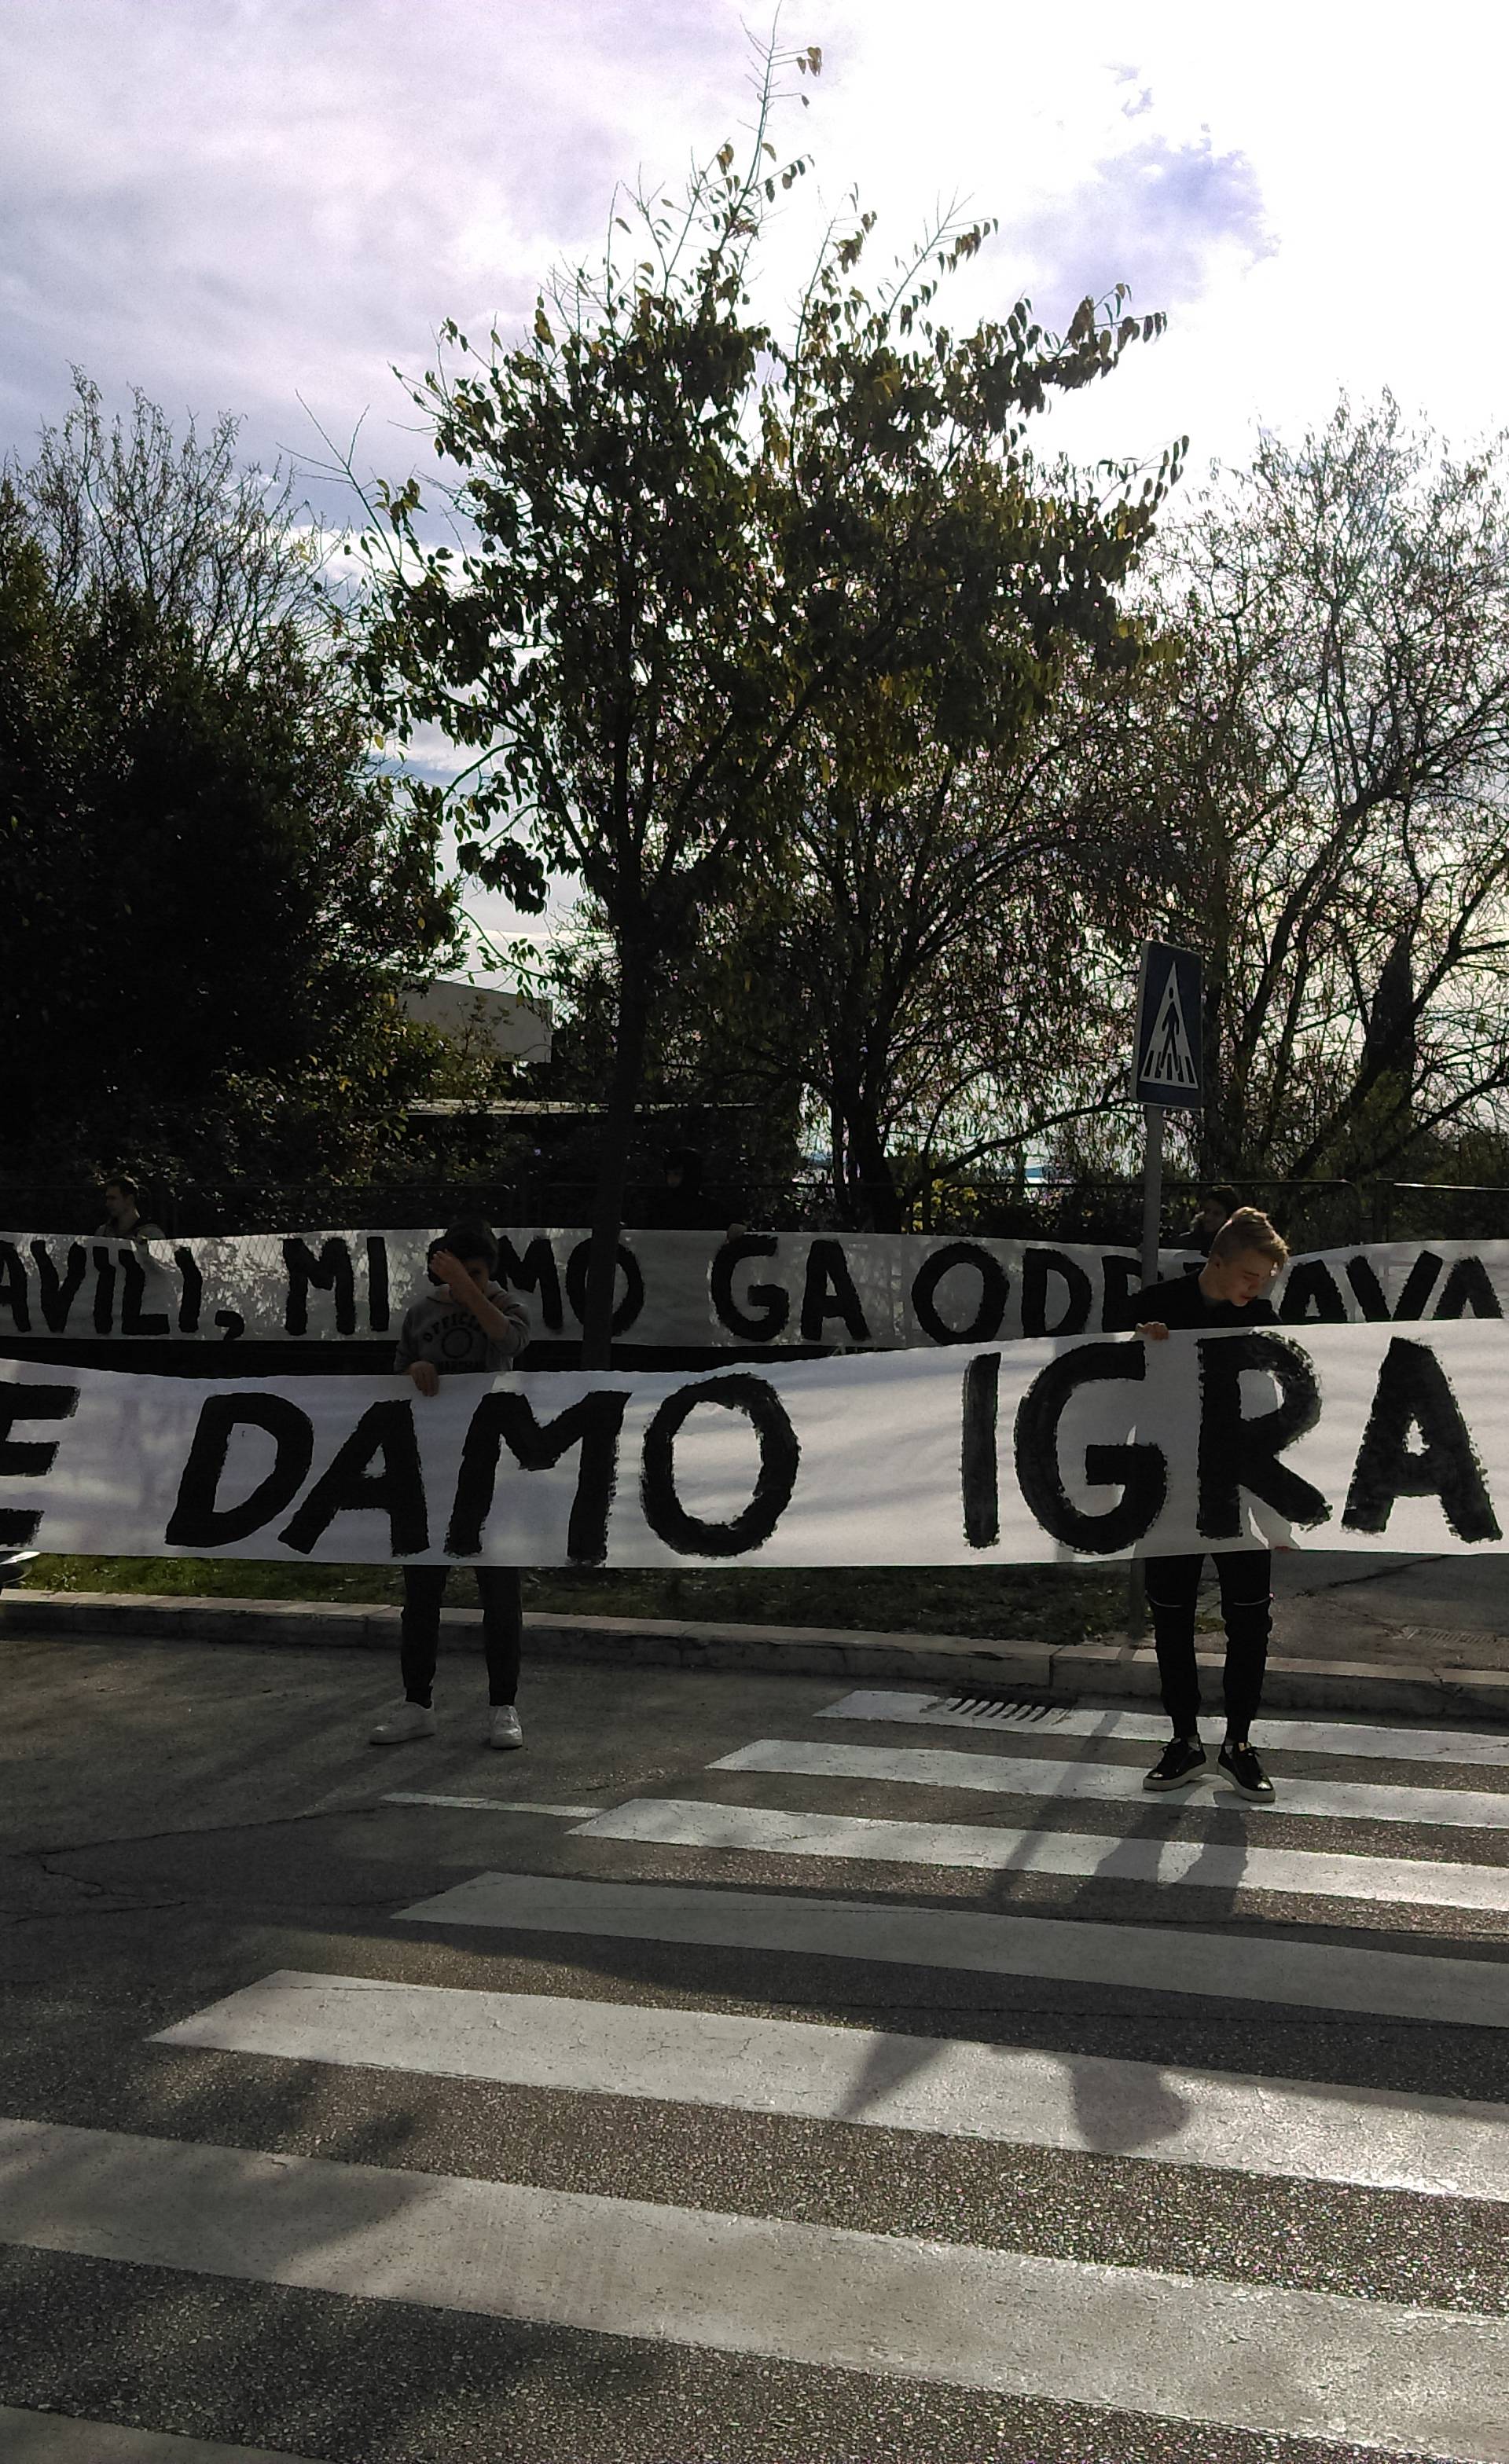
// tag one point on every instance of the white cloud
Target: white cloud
(1372, 143)
(276, 199)
(1164, 216)
(272, 199)
(240, 206)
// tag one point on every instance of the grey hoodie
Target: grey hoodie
(438, 1330)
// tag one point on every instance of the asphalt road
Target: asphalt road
(719, 2125)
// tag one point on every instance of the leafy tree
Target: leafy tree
(939, 982)
(203, 881)
(1336, 759)
(700, 556)
(216, 551)
(939, 957)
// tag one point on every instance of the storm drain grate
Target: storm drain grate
(1022, 1709)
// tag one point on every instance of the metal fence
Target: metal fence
(1311, 1213)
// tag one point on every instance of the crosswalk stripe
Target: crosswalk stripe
(489, 1804)
(1263, 1968)
(1179, 2348)
(59, 2438)
(947, 2086)
(1404, 1881)
(1151, 1728)
(1011, 1774)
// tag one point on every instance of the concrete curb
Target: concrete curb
(949, 1664)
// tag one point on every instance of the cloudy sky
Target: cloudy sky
(262, 205)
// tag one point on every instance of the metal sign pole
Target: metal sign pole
(1167, 1070)
(1152, 1188)
(1152, 1211)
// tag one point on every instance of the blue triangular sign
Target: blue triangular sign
(1166, 1056)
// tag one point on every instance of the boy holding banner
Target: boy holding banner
(467, 1326)
(1231, 1289)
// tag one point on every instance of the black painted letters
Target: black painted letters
(198, 1520)
(533, 1272)
(989, 1309)
(58, 1292)
(979, 1477)
(1237, 1454)
(1038, 1267)
(634, 1299)
(830, 1292)
(594, 1424)
(691, 1536)
(1413, 1393)
(25, 1457)
(773, 1303)
(330, 1271)
(1139, 1470)
(347, 1485)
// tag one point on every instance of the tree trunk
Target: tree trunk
(613, 1170)
(880, 1200)
(839, 1174)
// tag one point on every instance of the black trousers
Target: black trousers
(1173, 1584)
(502, 1595)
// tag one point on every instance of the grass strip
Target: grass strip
(1050, 1604)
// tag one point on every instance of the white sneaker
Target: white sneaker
(505, 1732)
(407, 1720)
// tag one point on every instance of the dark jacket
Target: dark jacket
(1179, 1303)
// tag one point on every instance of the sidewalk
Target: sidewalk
(1389, 1607)
(1412, 1637)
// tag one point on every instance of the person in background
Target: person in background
(681, 1204)
(123, 1221)
(1231, 1289)
(1217, 1207)
(467, 1326)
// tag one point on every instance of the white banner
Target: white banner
(851, 1290)
(1099, 1448)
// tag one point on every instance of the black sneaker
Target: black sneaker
(1245, 1772)
(1183, 1760)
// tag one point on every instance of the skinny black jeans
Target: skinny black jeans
(1173, 1584)
(502, 1595)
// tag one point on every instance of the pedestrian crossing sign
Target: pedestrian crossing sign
(1166, 1057)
